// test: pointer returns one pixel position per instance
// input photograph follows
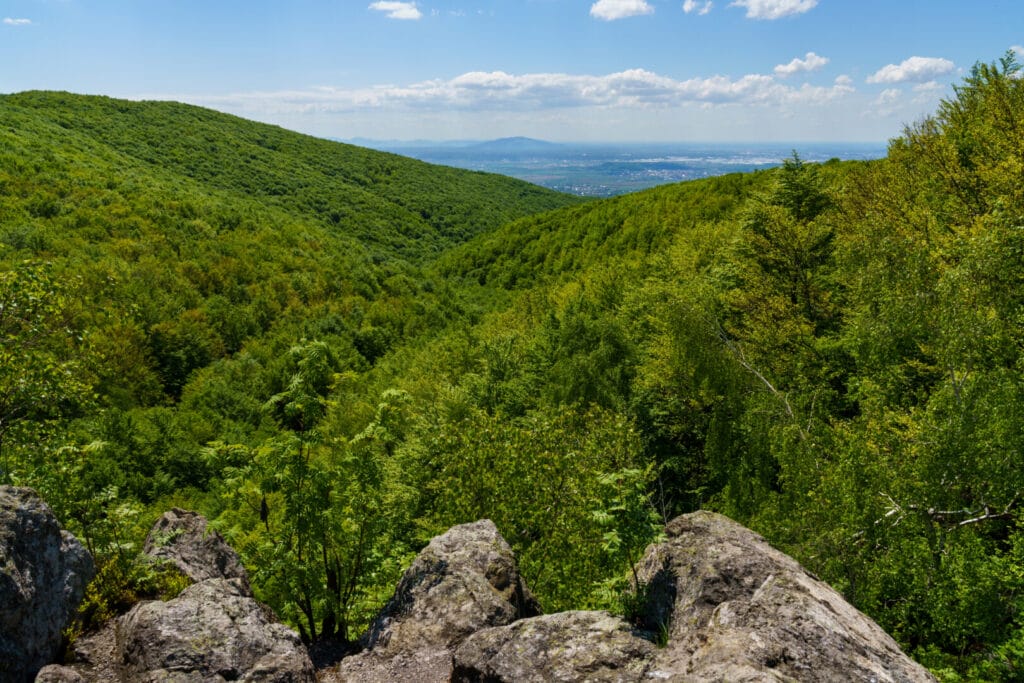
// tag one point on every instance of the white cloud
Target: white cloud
(927, 94)
(609, 10)
(887, 105)
(774, 9)
(915, 69)
(844, 80)
(17, 22)
(500, 92)
(810, 62)
(700, 8)
(397, 10)
(888, 96)
(1019, 49)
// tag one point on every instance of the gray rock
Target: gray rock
(54, 673)
(213, 631)
(182, 537)
(725, 604)
(93, 656)
(736, 609)
(421, 666)
(465, 580)
(568, 646)
(43, 575)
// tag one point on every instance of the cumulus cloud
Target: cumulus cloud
(16, 22)
(810, 62)
(498, 91)
(1019, 49)
(928, 93)
(701, 8)
(888, 96)
(610, 10)
(774, 9)
(886, 105)
(915, 69)
(398, 10)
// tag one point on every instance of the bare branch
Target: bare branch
(738, 352)
(950, 518)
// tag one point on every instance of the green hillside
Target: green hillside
(191, 232)
(563, 243)
(831, 354)
(390, 203)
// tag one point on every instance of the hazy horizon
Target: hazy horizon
(585, 143)
(608, 169)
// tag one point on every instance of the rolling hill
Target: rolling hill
(335, 354)
(389, 203)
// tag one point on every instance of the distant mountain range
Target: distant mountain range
(596, 169)
(518, 144)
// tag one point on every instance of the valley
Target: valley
(336, 354)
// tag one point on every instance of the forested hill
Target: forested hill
(629, 229)
(391, 204)
(831, 354)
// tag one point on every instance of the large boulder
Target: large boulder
(43, 575)
(568, 646)
(735, 609)
(213, 631)
(720, 602)
(182, 538)
(55, 673)
(465, 580)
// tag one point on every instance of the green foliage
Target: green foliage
(303, 401)
(337, 354)
(117, 588)
(40, 379)
(562, 243)
(567, 491)
(311, 513)
(627, 514)
(914, 496)
(391, 204)
(77, 484)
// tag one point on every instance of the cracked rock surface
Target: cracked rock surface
(43, 574)
(465, 580)
(737, 609)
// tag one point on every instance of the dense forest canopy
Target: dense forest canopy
(336, 353)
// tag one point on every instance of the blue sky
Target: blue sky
(567, 70)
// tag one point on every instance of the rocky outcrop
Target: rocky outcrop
(736, 609)
(182, 538)
(463, 581)
(722, 604)
(43, 575)
(213, 631)
(55, 673)
(568, 646)
(92, 658)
